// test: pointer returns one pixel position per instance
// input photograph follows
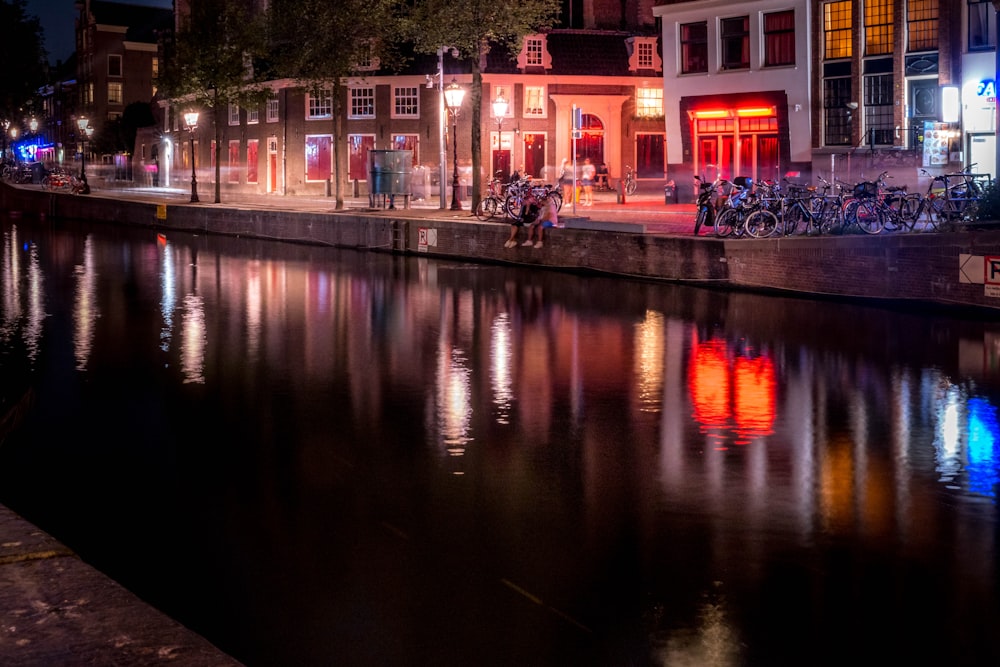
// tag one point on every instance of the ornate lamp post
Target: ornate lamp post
(499, 111)
(191, 121)
(85, 133)
(453, 95)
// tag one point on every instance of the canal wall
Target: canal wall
(934, 268)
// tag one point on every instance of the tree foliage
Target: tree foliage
(473, 27)
(320, 44)
(23, 57)
(218, 58)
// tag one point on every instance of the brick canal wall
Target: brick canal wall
(900, 267)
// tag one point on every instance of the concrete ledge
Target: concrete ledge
(602, 226)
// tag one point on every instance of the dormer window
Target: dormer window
(643, 55)
(535, 53)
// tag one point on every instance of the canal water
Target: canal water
(313, 456)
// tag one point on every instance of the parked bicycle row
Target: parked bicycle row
(742, 208)
(53, 178)
(507, 200)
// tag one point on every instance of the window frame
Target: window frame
(981, 30)
(837, 18)
(113, 98)
(877, 27)
(361, 102)
(530, 92)
(115, 58)
(234, 115)
(319, 107)
(405, 101)
(271, 111)
(693, 47)
(779, 42)
(922, 24)
(534, 51)
(734, 34)
(649, 102)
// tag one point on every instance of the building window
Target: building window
(253, 116)
(252, 147)
(836, 115)
(779, 39)
(837, 30)
(650, 155)
(534, 101)
(272, 110)
(234, 114)
(645, 53)
(533, 51)
(694, 48)
(319, 108)
(319, 152)
(405, 102)
(879, 102)
(878, 27)
(114, 65)
(649, 102)
(362, 103)
(980, 25)
(407, 142)
(735, 42)
(156, 67)
(358, 146)
(114, 92)
(921, 25)
(234, 161)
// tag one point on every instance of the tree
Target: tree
(345, 37)
(24, 59)
(214, 62)
(473, 27)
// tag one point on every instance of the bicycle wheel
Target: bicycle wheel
(869, 217)
(630, 187)
(792, 217)
(909, 210)
(487, 208)
(512, 206)
(831, 218)
(761, 223)
(557, 196)
(725, 222)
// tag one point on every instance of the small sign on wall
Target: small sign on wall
(426, 237)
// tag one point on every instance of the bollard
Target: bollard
(621, 191)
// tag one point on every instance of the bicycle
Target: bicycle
(630, 183)
(745, 213)
(707, 203)
(492, 203)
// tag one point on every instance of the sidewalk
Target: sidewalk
(648, 208)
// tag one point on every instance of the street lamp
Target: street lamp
(85, 133)
(453, 95)
(499, 111)
(191, 121)
(443, 159)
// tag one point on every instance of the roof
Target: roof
(575, 52)
(142, 23)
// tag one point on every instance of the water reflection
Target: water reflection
(667, 468)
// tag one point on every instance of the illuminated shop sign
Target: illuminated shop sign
(987, 88)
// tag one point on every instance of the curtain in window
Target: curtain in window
(359, 145)
(318, 160)
(234, 161)
(779, 38)
(252, 160)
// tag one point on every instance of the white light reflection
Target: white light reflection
(85, 310)
(193, 340)
(947, 437)
(501, 356)
(168, 295)
(36, 304)
(648, 362)
(714, 641)
(254, 309)
(454, 403)
(10, 274)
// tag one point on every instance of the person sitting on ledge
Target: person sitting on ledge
(602, 177)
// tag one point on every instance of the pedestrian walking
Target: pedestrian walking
(587, 181)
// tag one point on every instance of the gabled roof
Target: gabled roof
(142, 23)
(575, 52)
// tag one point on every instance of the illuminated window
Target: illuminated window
(735, 42)
(779, 39)
(878, 27)
(534, 101)
(407, 142)
(837, 30)
(921, 25)
(319, 157)
(405, 102)
(253, 116)
(234, 114)
(694, 48)
(649, 102)
(362, 103)
(156, 67)
(272, 110)
(319, 107)
(234, 161)
(252, 147)
(114, 92)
